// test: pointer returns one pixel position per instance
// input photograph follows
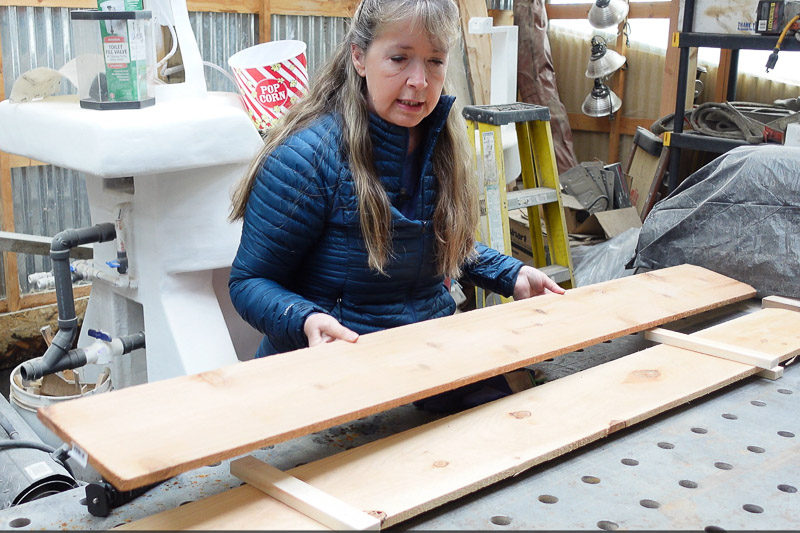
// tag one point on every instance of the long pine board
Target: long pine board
(176, 425)
(414, 471)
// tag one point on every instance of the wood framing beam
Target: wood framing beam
(345, 381)
(669, 88)
(479, 51)
(265, 21)
(638, 10)
(416, 470)
(321, 8)
(627, 125)
(299, 495)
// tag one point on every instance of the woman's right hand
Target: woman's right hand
(321, 327)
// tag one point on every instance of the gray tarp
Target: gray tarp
(739, 216)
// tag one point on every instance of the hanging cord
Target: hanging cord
(773, 57)
(724, 120)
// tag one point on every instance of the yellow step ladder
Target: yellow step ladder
(541, 194)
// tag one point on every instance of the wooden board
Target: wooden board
(191, 421)
(419, 469)
(478, 49)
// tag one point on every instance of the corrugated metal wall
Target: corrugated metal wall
(46, 199)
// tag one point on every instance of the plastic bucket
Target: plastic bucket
(270, 77)
(27, 403)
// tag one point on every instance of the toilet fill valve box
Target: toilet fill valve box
(115, 58)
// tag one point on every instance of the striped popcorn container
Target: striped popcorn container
(271, 77)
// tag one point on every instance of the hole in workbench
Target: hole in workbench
(787, 434)
(19, 522)
(649, 504)
(666, 445)
(607, 525)
(184, 503)
(724, 466)
(82, 501)
(591, 480)
(789, 489)
(713, 529)
(629, 462)
(784, 391)
(700, 431)
(607, 342)
(687, 484)
(753, 508)
(579, 350)
(546, 498)
(214, 464)
(118, 525)
(758, 403)
(500, 520)
(756, 449)
(729, 416)
(549, 360)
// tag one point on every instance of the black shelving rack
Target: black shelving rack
(687, 39)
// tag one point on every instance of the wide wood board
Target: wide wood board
(142, 434)
(416, 470)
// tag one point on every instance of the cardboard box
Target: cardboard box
(736, 17)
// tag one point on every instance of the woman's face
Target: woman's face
(405, 73)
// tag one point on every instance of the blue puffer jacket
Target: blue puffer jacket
(302, 252)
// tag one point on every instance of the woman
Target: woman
(362, 200)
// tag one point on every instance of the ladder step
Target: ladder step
(557, 273)
(525, 198)
(531, 197)
(501, 114)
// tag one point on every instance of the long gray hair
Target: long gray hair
(340, 89)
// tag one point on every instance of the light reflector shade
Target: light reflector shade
(603, 61)
(601, 101)
(607, 13)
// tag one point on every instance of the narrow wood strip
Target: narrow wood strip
(16, 161)
(49, 297)
(780, 302)
(315, 388)
(772, 373)
(711, 347)
(312, 502)
(419, 469)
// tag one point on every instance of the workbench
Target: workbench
(727, 460)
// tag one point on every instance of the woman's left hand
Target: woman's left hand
(533, 282)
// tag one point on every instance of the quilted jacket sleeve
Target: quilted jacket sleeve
(492, 270)
(285, 215)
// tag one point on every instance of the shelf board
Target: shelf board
(736, 42)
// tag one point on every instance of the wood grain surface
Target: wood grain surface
(416, 470)
(142, 434)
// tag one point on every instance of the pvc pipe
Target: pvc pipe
(60, 247)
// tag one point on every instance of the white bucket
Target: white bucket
(271, 77)
(27, 403)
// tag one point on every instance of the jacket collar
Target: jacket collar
(394, 138)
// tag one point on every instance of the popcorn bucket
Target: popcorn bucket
(270, 77)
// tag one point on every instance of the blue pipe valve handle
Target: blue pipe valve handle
(100, 335)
